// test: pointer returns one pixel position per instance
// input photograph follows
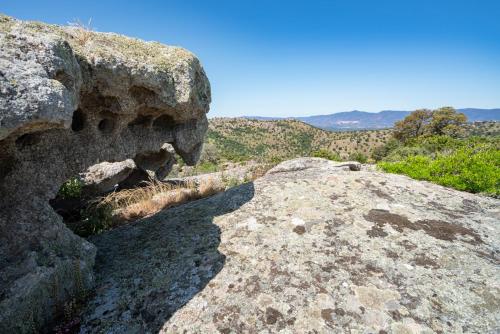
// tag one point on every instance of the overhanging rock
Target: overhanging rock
(69, 99)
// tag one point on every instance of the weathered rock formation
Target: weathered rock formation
(312, 247)
(107, 176)
(71, 98)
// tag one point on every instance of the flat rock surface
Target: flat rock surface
(315, 250)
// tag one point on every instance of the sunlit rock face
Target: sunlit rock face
(314, 246)
(69, 99)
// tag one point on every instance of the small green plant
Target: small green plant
(71, 188)
(94, 220)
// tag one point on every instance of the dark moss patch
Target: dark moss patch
(445, 231)
(382, 194)
(435, 228)
(383, 217)
(376, 232)
(391, 254)
(272, 316)
(396, 315)
(340, 312)
(299, 229)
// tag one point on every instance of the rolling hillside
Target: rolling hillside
(239, 139)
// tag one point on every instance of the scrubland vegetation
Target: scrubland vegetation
(239, 139)
(437, 146)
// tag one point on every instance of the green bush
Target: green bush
(94, 220)
(330, 155)
(71, 188)
(404, 152)
(358, 156)
(381, 152)
(474, 167)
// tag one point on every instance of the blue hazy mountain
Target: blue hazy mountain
(384, 119)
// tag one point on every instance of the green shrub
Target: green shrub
(358, 156)
(404, 152)
(71, 188)
(475, 167)
(381, 152)
(330, 155)
(94, 220)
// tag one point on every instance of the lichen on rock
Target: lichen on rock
(294, 252)
(69, 101)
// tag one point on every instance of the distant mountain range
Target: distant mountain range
(351, 120)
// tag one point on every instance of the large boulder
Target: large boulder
(69, 99)
(311, 247)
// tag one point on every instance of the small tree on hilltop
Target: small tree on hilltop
(413, 125)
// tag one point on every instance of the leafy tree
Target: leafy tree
(413, 125)
(446, 121)
(442, 121)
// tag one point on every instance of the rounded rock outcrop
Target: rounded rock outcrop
(69, 99)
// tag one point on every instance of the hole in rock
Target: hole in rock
(27, 140)
(81, 208)
(106, 125)
(164, 122)
(78, 122)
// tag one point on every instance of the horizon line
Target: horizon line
(338, 112)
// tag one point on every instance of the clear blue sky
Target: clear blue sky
(292, 58)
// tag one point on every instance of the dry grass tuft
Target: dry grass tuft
(210, 186)
(82, 32)
(130, 204)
